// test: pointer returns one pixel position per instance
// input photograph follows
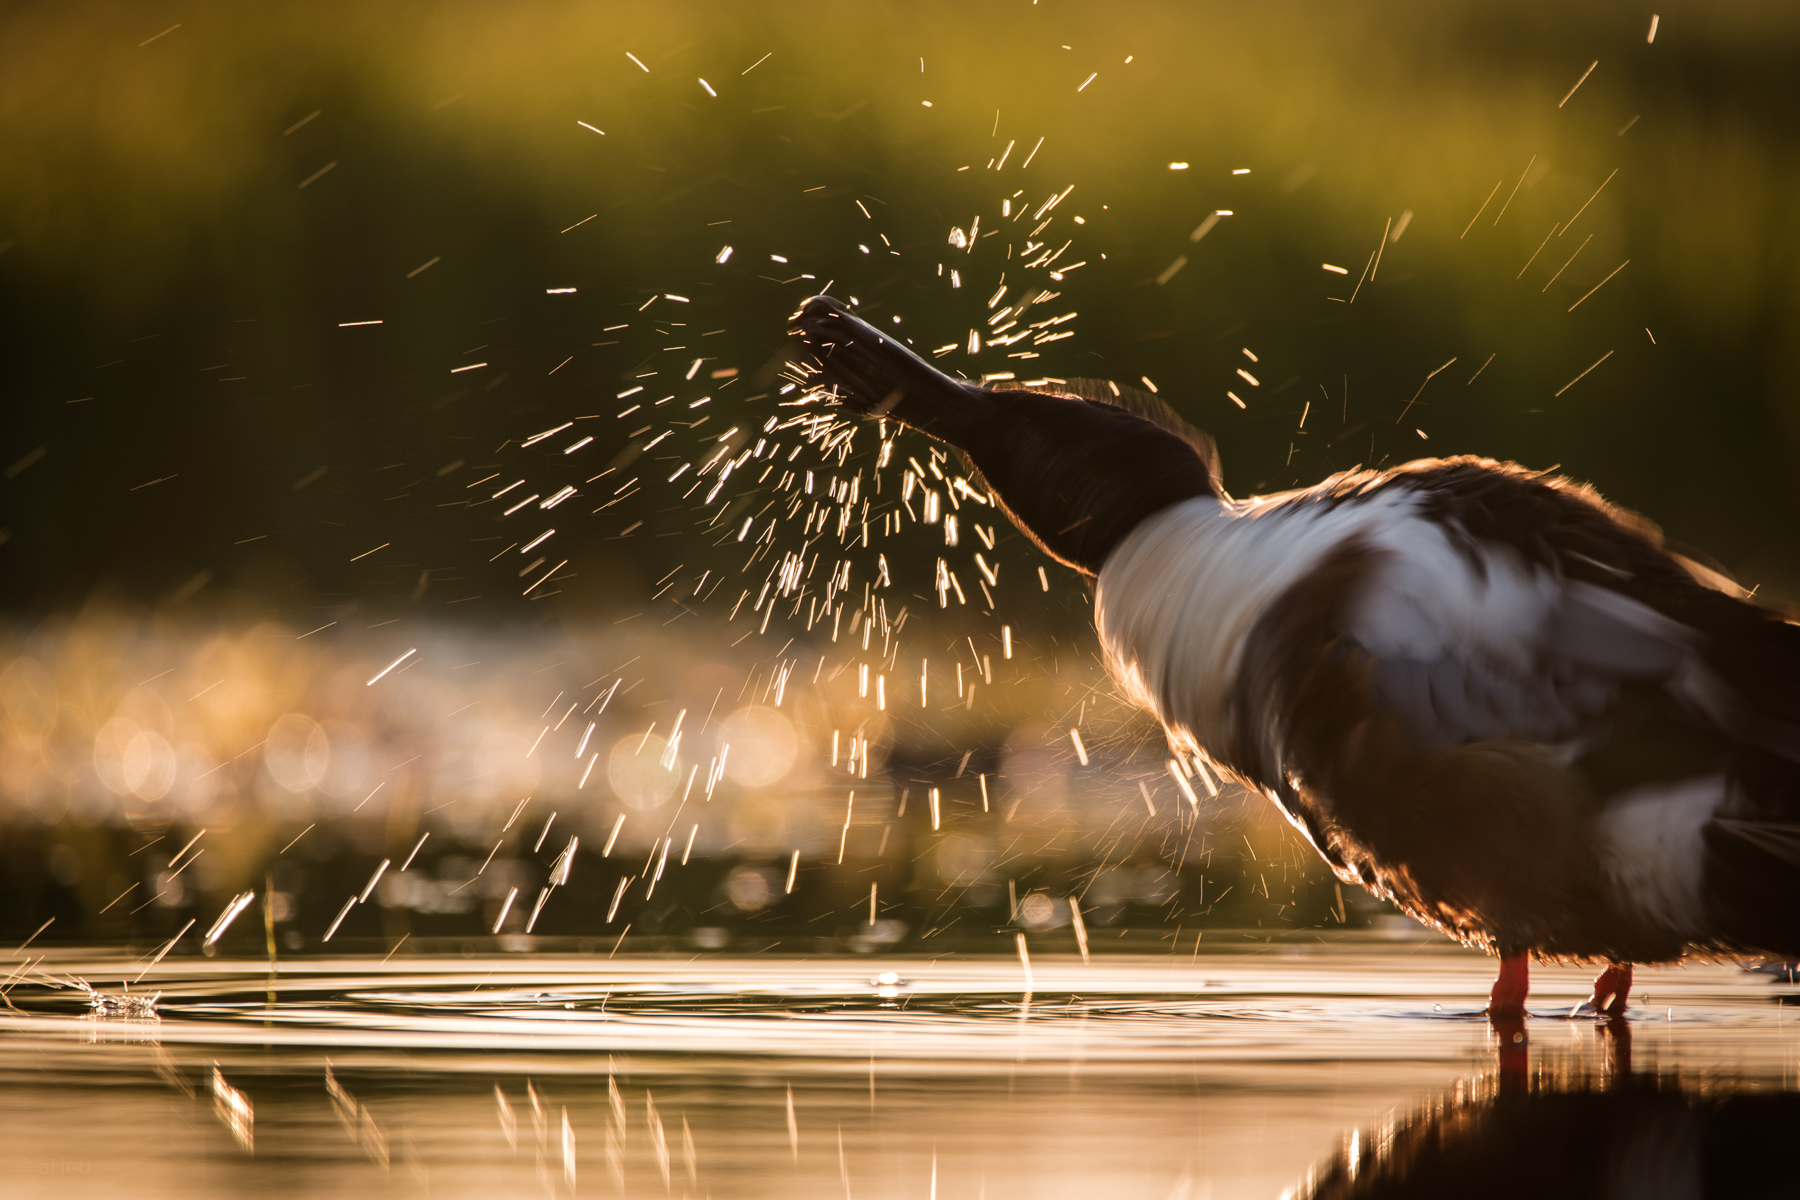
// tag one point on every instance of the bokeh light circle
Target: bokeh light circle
(763, 746)
(636, 772)
(148, 765)
(110, 744)
(298, 752)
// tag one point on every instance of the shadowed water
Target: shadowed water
(1329, 1070)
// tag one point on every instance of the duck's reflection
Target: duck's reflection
(1581, 1125)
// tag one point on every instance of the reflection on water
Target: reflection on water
(1340, 1070)
(1591, 1132)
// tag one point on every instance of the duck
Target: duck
(1481, 692)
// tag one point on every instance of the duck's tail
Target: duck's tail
(876, 375)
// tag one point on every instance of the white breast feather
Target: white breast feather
(1176, 599)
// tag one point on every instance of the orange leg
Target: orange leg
(1612, 990)
(1506, 1013)
(1510, 990)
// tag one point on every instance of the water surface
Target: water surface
(1345, 1069)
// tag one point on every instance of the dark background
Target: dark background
(193, 443)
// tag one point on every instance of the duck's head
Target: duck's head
(1076, 466)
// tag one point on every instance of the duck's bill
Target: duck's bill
(870, 371)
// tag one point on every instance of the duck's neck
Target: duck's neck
(1079, 476)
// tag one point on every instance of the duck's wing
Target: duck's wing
(1515, 663)
(1514, 605)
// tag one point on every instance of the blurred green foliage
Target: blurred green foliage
(155, 227)
(199, 198)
